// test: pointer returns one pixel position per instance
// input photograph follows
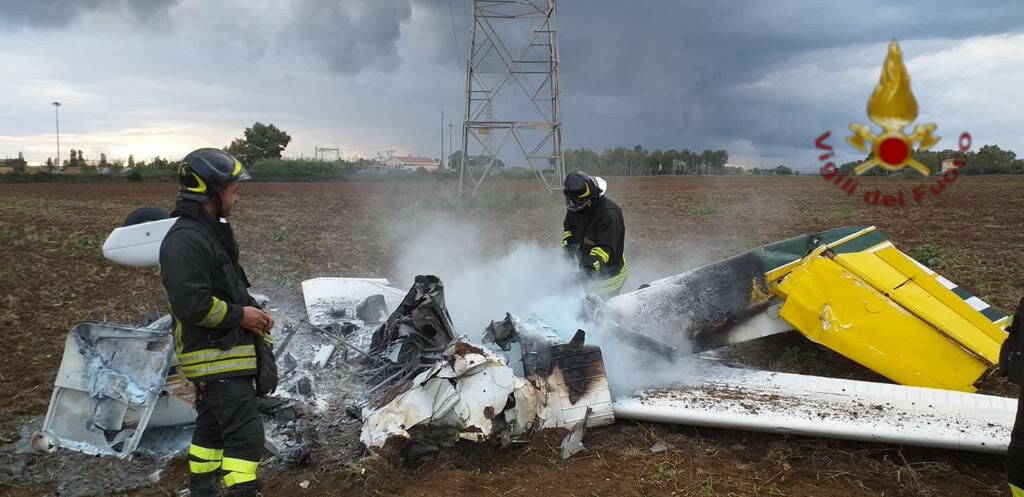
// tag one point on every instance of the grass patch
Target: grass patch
(705, 210)
(281, 234)
(19, 236)
(86, 242)
(844, 213)
(929, 254)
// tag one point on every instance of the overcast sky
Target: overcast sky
(761, 80)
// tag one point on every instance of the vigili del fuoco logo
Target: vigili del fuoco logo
(893, 107)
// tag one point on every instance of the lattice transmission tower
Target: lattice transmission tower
(512, 110)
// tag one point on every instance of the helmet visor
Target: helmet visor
(575, 204)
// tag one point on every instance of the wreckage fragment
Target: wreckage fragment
(848, 289)
(413, 338)
(471, 394)
(118, 393)
(112, 385)
(432, 398)
(570, 376)
(324, 297)
(696, 310)
(372, 310)
(863, 298)
(421, 318)
(743, 399)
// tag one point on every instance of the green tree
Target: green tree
(656, 164)
(455, 160)
(49, 164)
(261, 142)
(719, 158)
(991, 159)
(86, 168)
(131, 161)
(707, 158)
(613, 161)
(581, 159)
(160, 163)
(847, 167)
(475, 161)
(690, 161)
(638, 160)
(781, 170)
(18, 165)
(77, 159)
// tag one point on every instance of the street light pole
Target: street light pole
(56, 116)
(450, 149)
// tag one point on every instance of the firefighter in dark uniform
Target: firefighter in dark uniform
(1011, 366)
(594, 234)
(216, 323)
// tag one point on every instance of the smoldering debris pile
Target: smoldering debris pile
(438, 388)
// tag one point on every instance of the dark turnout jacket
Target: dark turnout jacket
(595, 236)
(206, 289)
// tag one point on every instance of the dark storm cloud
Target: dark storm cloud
(61, 13)
(680, 63)
(350, 36)
(347, 36)
(612, 46)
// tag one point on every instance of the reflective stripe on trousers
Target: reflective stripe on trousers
(239, 471)
(203, 460)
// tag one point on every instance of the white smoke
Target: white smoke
(485, 277)
(483, 280)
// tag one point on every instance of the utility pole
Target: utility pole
(442, 140)
(451, 150)
(56, 115)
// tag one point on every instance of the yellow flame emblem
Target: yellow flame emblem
(892, 106)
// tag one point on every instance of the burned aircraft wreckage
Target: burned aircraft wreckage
(423, 385)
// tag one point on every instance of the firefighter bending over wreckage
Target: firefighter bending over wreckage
(219, 329)
(594, 234)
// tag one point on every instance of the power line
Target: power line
(465, 16)
(455, 38)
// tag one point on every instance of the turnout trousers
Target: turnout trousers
(228, 441)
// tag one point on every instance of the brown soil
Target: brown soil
(52, 276)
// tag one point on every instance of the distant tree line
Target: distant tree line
(989, 159)
(638, 161)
